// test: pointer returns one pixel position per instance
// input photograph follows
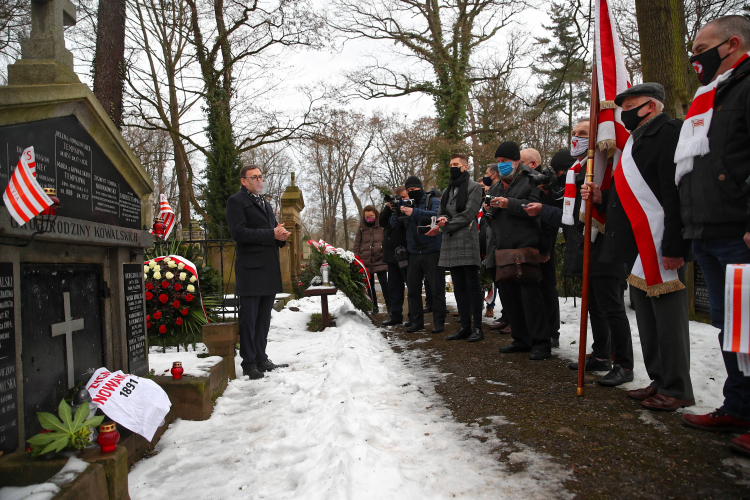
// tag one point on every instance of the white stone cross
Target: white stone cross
(67, 328)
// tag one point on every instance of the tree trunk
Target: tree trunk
(663, 53)
(109, 60)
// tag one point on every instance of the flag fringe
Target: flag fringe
(655, 290)
(607, 105)
(594, 223)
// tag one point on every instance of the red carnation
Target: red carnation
(189, 297)
(185, 311)
(179, 321)
(148, 318)
(165, 284)
(163, 298)
(149, 295)
(176, 304)
(162, 329)
(157, 315)
(361, 271)
(177, 287)
(148, 325)
(149, 286)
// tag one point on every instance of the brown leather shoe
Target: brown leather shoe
(505, 330)
(641, 394)
(497, 326)
(663, 402)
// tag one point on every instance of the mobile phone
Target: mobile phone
(524, 205)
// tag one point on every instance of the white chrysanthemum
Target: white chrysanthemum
(152, 263)
(192, 279)
(180, 266)
(146, 269)
(183, 276)
(145, 276)
(169, 275)
(157, 275)
(190, 288)
(172, 265)
(167, 260)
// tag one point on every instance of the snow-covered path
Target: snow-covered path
(349, 419)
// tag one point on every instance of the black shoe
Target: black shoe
(414, 328)
(462, 333)
(438, 329)
(388, 310)
(616, 376)
(427, 309)
(593, 365)
(539, 354)
(267, 366)
(556, 343)
(252, 372)
(476, 335)
(511, 348)
(375, 311)
(391, 322)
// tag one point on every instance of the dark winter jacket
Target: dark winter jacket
(368, 245)
(393, 237)
(653, 153)
(512, 227)
(251, 222)
(420, 216)
(715, 196)
(496, 190)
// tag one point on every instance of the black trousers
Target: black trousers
(426, 266)
(610, 328)
(255, 320)
(396, 286)
(549, 295)
(524, 308)
(383, 280)
(468, 293)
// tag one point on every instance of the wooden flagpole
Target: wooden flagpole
(593, 119)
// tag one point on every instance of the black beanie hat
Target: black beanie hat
(508, 149)
(413, 181)
(562, 160)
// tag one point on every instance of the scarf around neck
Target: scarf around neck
(462, 195)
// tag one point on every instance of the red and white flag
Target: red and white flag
(24, 197)
(737, 309)
(166, 213)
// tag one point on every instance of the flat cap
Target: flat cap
(648, 89)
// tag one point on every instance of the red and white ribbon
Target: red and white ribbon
(646, 216)
(188, 266)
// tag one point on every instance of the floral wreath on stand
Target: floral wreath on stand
(346, 271)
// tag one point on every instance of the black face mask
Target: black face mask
(707, 63)
(630, 118)
(416, 195)
(455, 173)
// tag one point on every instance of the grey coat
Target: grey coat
(460, 235)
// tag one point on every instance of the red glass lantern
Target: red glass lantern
(177, 370)
(46, 219)
(159, 227)
(108, 437)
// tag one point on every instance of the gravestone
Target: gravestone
(699, 308)
(71, 298)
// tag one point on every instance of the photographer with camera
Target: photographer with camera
(520, 249)
(424, 254)
(396, 256)
(493, 188)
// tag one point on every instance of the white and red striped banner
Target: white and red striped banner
(737, 309)
(646, 216)
(24, 197)
(166, 213)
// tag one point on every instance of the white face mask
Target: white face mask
(578, 146)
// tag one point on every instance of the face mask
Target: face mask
(487, 180)
(630, 118)
(578, 146)
(416, 195)
(370, 221)
(707, 63)
(455, 173)
(505, 168)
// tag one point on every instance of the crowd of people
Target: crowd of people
(680, 192)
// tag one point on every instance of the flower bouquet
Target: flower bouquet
(346, 271)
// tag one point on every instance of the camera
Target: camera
(546, 177)
(487, 199)
(409, 203)
(395, 202)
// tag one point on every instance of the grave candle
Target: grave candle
(177, 370)
(108, 437)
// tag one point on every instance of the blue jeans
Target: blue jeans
(713, 257)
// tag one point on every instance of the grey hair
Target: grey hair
(729, 26)
(659, 104)
(493, 168)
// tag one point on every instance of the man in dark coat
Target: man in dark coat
(257, 237)
(395, 238)
(715, 197)
(661, 314)
(513, 229)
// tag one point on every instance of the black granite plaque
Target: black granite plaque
(701, 290)
(135, 318)
(67, 158)
(8, 391)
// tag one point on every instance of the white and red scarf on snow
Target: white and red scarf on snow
(646, 216)
(694, 133)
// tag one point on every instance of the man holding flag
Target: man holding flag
(644, 231)
(713, 169)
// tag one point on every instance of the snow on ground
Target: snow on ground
(161, 362)
(349, 419)
(706, 364)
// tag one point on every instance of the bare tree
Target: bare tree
(15, 23)
(276, 165)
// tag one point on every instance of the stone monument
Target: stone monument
(292, 203)
(71, 299)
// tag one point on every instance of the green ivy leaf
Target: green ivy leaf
(50, 422)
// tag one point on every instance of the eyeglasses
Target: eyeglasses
(254, 177)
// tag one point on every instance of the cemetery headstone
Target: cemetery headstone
(8, 389)
(135, 318)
